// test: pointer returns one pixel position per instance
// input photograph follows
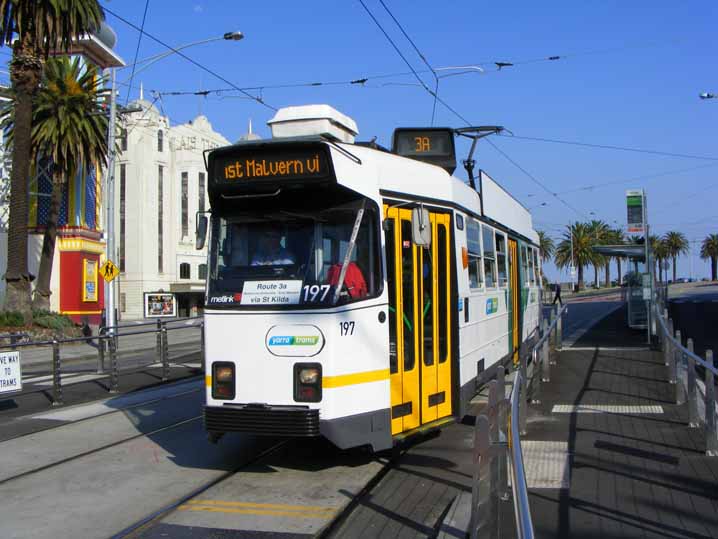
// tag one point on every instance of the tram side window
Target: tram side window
(525, 265)
(501, 259)
(532, 268)
(536, 265)
(489, 256)
(473, 241)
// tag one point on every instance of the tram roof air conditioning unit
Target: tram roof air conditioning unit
(313, 120)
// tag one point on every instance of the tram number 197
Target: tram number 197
(346, 328)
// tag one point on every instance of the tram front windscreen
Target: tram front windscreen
(297, 255)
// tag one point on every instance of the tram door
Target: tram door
(420, 321)
(515, 299)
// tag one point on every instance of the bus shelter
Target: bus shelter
(637, 281)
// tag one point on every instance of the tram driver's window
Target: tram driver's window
(473, 242)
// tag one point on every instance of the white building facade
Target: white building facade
(160, 185)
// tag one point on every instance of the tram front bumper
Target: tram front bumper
(264, 420)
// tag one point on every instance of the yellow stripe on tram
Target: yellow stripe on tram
(355, 378)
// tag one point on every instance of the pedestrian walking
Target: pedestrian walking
(557, 297)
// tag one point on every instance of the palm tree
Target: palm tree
(546, 249)
(660, 255)
(583, 254)
(616, 237)
(599, 231)
(709, 249)
(69, 127)
(34, 28)
(676, 244)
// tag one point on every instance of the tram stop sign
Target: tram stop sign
(109, 271)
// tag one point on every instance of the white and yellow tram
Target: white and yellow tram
(354, 293)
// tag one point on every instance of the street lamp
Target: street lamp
(110, 291)
(227, 36)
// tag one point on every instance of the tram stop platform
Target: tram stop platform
(607, 452)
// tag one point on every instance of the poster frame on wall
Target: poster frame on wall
(166, 307)
(90, 271)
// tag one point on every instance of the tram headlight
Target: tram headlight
(309, 376)
(223, 380)
(307, 382)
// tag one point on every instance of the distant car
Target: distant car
(683, 280)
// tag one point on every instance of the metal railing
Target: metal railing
(107, 347)
(684, 366)
(497, 437)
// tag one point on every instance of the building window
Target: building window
(160, 219)
(123, 139)
(473, 241)
(201, 190)
(123, 302)
(184, 270)
(202, 271)
(123, 193)
(489, 252)
(160, 137)
(185, 209)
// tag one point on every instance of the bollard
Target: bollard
(711, 435)
(552, 315)
(692, 387)
(503, 486)
(201, 347)
(114, 368)
(100, 353)
(559, 330)
(545, 356)
(671, 354)
(678, 365)
(480, 490)
(522, 394)
(165, 356)
(492, 411)
(57, 399)
(664, 339)
(158, 345)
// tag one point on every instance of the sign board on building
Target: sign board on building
(160, 305)
(636, 210)
(10, 373)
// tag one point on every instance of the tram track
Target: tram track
(98, 450)
(132, 531)
(109, 412)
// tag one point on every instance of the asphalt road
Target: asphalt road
(693, 307)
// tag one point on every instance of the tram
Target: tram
(357, 293)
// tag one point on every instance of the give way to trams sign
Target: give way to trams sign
(10, 373)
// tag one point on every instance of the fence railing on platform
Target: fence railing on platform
(684, 365)
(497, 437)
(107, 346)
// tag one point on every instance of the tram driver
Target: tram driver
(269, 250)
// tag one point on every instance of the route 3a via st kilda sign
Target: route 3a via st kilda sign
(10, 373)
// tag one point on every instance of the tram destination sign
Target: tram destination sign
(269, 162)
(433, 145)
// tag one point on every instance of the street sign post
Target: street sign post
(10, 373)
(109, 271)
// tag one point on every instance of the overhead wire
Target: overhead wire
(189, 59)
(423, 58)
(137, 49)
(612, 147)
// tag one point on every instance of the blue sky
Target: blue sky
(629, 74)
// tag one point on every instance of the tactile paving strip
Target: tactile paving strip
(546, 464)
(606, 409)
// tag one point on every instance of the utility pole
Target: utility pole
(110, 300)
